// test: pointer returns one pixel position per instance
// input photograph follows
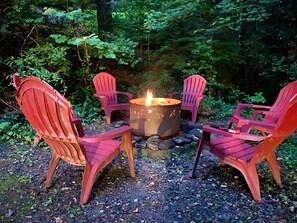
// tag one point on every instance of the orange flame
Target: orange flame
(149, 97)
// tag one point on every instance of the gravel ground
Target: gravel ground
(161, 191)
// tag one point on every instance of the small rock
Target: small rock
(141, 144)
(196, 132)
(166, 144)
(178, 140)
(58, 220)
(137, 138)
(153, 142)
(188, 136)
(118, 124)
(187, 140)
(195, 138)
(151, 184)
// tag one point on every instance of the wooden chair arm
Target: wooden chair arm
(240, 107)
(261, 112)
(98, 95)
(195, 95)
(240, 135)
(103, 99)
(129, 95)
(77, 122)
(111, 134)
(260, 125)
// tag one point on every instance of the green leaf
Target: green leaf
(75, 41)
(59, 38)
(4, 126)
(49, 11)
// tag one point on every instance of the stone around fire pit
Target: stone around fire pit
(157, 147)
(188, 138)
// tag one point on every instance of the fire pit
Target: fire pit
(149, 116)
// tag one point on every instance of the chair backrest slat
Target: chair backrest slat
(286, 125)
(193, 85)
(50, 114)
(105, 84)
(282, 100)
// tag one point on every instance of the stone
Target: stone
(196, 132)
(155, 147)
(153, 142)
(166, 144)
(140, 144)
(195, 138)
(118, 124)
(178, 140)
(188, 136)
(137, 138)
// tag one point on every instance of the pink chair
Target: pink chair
(75, 119)
(51, 116)
(243, 151)
(192, 94)
(270, 114)
(105, 85)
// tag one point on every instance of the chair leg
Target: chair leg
(108, 117)
(194, 116)
(88, 181)
(127, 144)
(204, 139)
(273, 165)
(51, 170)
(251, 176)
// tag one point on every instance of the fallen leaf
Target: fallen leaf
(58, 220)
(151, 184)
(9, 213)
(75, 200)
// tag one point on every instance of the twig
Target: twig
(14, 108)
(26, 39)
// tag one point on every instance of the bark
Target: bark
(104, 17)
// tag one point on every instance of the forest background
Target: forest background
(246, 50)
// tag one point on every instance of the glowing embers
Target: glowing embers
(161, 116)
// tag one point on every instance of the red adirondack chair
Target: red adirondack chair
(233, 148)
(16, 81)
(192, 94)
(270, 114)
(105, 85)
(75, 119)
(51, 116)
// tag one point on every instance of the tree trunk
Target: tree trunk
(104, 17)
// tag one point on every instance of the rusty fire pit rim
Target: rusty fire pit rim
(173, 101)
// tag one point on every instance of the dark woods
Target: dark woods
(245, 49)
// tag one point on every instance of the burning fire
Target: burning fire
(155, 101)
(149, 97)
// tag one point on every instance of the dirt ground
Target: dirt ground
(160, 192)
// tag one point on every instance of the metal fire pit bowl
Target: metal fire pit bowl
(162, 117)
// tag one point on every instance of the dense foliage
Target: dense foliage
(246, 50)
